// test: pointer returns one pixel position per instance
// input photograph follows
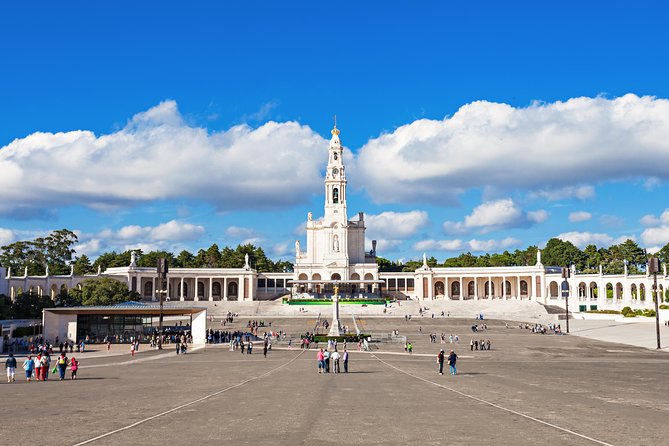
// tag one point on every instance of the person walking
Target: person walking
(452, 358)
(440, 361)
(335, 361)
(132, 349)
(29, 367)
(74, 366)
(10, 365)
(250, 348)
(38, 367)
(410, 347)
(264, 349)
(320, 356)
(62, 365)
(326, 361)
(345, 358)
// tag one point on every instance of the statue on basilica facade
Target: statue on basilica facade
(335, 243)
(297, 248)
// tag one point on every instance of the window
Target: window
(335, 195)
(262, 283)
(410, 285)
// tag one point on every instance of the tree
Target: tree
(106, 291)
(560, 253)
(82, 265)
(592, 259)
(30, 306)
(150, 259)
(185, 259)
(634, 255)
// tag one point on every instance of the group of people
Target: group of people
(451, 338)
(451, 359)
(38, 367)
(326, 361)
(476, 344)
(543, 329)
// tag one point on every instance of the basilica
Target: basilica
(334, 256)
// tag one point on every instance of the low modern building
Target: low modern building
(123, 320)
(334, 254)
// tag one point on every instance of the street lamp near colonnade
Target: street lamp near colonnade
(653, 268)
(162, 269)
(566, 272)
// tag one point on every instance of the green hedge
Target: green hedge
(342, 338)
(329, 302)
(603, 311)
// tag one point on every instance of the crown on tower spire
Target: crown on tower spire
(335, 130)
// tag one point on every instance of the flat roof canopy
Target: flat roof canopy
(139, 310)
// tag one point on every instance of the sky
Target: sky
(477, 126)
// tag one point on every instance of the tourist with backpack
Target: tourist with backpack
(10, 365)
(29, 367)
(61, 363)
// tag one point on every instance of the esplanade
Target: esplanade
(334, 254)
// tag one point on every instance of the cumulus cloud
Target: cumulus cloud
(395, 225)
(493, 215)
(146, 238)
(581, 192)
(473, 245)
(6, 236)
(383, 246)
(656, 234)
(583, 239)
(579, 216)
(239, 232)
(158, 156)
(559, 149)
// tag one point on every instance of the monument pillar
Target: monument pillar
(334, 327)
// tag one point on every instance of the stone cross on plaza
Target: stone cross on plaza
(334, 327)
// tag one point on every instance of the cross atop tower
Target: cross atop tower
(335, 130)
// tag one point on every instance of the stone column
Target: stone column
(225, 289)
(504, 287)
(211, 288)
(476, 288)
(462, 289)
(153, 296)
(489, 288)
(196, 288)
(518, 287)
(181, 288)
(240, 289)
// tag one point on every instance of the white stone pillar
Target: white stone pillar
(489, 288)
(153, 295)
(476, 288)
(196, 288)
(240, 289)
(181, 289)
(517, 287)
(462, 289)
(225, 289)
(211, 288)
(504, 287)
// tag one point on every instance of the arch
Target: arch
(455, 289)
(553, 290)
(355, 276)
(642, 292)
(582, 291)
(593, 290)
(523, 288)
(148, 289)
(507, 292)
(619, 291)
(315, 276)
(200, 289)
(335, 195)
(609, 290)
(185, 289)
(63, 290)
(335, 276)
(439, 288)
(303, 276)
(633, 292)
(369, 276)
(216, 290)
(471, 288)
(489, 288)
(233, 289)
(53, 292)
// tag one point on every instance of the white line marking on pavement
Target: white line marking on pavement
(211, 395)
(497, 406)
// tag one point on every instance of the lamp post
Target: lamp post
(162, 275)
(654, 268)
(565, 293)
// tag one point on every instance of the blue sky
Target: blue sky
(476, 126)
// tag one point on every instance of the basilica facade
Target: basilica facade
(334, 256)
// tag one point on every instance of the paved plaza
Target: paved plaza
(529, 389)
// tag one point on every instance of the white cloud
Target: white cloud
(656, 234)
(579, 216)
(494, 215)
(581, 192)
(471, 245)
(395, 225)
(612, 221)
(6, 236)
(238, 232)
(583, 239)
(559, 148)
(158, 156)
(384, 246)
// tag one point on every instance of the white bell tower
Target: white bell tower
(335, 182)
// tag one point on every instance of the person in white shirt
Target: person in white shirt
(335, 359)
